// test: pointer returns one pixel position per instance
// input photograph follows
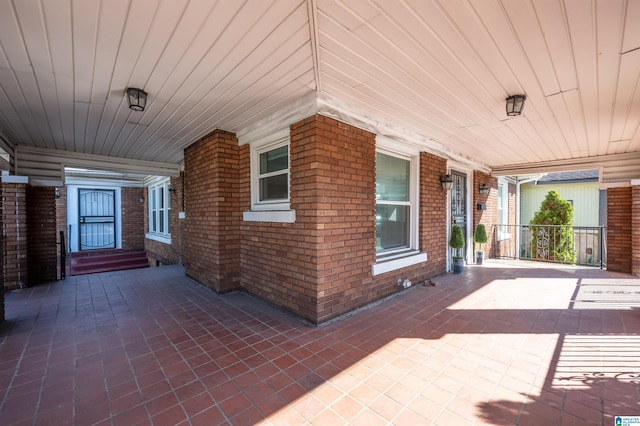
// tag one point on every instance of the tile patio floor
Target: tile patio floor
(506, 343)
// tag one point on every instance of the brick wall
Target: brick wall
(161, 253)
(14, 231)
(216, 170)
(320, 266)
(41, 234)
(619, 221)
(635, 230)
(133, 214)
(433, 215)
(488, 217)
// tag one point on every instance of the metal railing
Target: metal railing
(578, 245)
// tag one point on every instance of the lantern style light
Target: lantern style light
(515, 104)
(446, 181)
(137, 99)
(483, 189)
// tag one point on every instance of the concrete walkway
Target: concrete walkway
(505, 343)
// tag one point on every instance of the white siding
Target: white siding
(585, 197)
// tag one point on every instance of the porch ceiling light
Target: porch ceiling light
(137, 98)
(515, 104)
(483, 189)
(446, 181)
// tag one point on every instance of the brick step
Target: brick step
(84, 265)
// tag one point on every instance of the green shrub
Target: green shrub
(555, 242)
(480, 236)
(457, 239)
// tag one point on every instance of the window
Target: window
(397, 197)
(270, 180)
(273, 177)
(159, 208)
(393, 203)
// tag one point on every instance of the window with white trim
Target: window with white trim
(159, 208)
(397, 198)
(270, 180)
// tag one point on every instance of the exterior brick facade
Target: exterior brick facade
(433, 215)
(216, 191)
(619, 223)
(635, 230)
(488, 217)
(41, 234)
(160, 253)
(133, 216)
(14, 232)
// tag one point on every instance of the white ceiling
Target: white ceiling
(440, 69)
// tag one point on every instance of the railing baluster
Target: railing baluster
(548, 243)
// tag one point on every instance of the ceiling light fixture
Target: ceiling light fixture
(137, 98)
(515, 104)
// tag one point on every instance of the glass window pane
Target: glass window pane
(392, 226)
(274, 160)
(392, 178)
(274, 187)
(160, 197)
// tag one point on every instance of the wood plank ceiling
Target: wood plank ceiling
(440, 69)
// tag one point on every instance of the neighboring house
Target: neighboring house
(581, 188)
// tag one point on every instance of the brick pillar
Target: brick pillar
(41, 234)
(619, 229)
(14, 232)
(213, 210)
(635, 230)
(133, 213)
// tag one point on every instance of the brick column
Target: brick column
(635, 228)
(14, 232)
(41, 234)
(213, 205)
(619, 229)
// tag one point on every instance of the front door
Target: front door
(97, 218)
(459, 204)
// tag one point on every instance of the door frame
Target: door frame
(461, 169)
(73, 220)
(88, 190)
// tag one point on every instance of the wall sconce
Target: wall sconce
(57, 192)
(137, 98)
(483, 189)
(515, 104)
(446, 181)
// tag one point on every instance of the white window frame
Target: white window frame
(271, 210)
(390, 260)
(153, 186)
(503, 210)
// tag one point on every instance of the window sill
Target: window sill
(281, 216)
(159, 238)
(392, 262)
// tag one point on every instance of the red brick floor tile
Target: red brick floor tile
(453, 353)
(197, 403)
(133, 416)
(234, 405)
(169, 417)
